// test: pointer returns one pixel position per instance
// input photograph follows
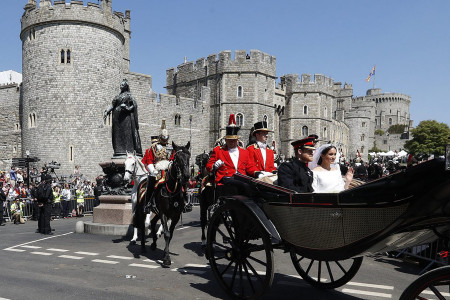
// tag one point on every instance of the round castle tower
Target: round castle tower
(73, 60)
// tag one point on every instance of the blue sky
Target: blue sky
(407, 40)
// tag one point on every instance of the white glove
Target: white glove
(152, 170)
(218, 164)
(159, 147)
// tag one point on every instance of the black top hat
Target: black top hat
(261, 126)
(232, 129)
(306, 143)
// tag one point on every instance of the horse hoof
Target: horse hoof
(153, 246)
(132, 242)
(166, 263)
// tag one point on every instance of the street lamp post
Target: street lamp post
(28, 168)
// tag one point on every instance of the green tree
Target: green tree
(429, 137)
(379, 132)
(397, 128)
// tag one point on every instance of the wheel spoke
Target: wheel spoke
(257, 260)
(241, 279)
(309, 267)
(234, 276)
(230, 239)
(227, 226)
(340, 266)
(329, 271)
(298, 260)
(255, 248)
(248, 277)
(436, 292)
(319, 271)
(254, 271)
(227, 268)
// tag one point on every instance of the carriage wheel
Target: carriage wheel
(240, 252)
(434, 284)
(325, 274)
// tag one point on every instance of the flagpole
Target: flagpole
(374, 77)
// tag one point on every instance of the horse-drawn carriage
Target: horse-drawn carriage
(325, 234)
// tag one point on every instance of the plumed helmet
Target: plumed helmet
(232, 129)
(164, 133)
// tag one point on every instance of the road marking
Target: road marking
(71, 257)
(184, 271)
(375, 286)
(111, 262)
(143, 266)
(358, 292)
(57, 250)
(86, 253)
(196, 266)
(431, 293)
(3, 299)
(31, 247)
(50, 237)
(14, 250)
(42, 253)
(153, 261)
(120, 257)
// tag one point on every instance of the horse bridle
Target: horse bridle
(177, 168)
(132, 173)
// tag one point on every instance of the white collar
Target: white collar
(262, 145)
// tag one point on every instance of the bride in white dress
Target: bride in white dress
(327, 176)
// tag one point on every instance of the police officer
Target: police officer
(295, 174)
(45, 200)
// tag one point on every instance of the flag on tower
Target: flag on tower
(370, 74)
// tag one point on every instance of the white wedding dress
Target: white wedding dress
(325, 181)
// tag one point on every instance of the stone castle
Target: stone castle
(75, 55)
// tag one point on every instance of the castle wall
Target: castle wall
(10, 135)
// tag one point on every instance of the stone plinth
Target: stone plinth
(114, 209)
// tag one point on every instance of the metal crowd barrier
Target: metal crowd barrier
(194, 196)
(435, 253)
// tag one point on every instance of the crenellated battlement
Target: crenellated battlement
(319, 84)
(75, 11)
(243, 62)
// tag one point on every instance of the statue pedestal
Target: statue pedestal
(114, 215)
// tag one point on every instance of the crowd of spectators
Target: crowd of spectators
(18, 201)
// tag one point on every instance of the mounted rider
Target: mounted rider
(157, 157)
(260, 153)
(229, 159)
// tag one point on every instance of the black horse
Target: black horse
(169, 197)
(207, 197)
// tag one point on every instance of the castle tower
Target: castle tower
(74, 58)
(243, 85)
(314, 107)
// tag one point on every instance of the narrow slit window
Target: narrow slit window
(71, 154)
(68, 56)
(63, 56)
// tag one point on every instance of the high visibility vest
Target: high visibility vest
(56, 197)
(80, 196)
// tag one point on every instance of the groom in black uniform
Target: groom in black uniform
(294, 174)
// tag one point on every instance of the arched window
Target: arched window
(177, 120)
(390, 121)
(325, 132)
(71, 154)
(239, 119)
(68, 56)
(305, 110)
(239, 92)
(363, 138)
(305, 131)
(325, 112)
(265, 118)
(362, 149)
(63, 56)
(32, 120)
(376, 122)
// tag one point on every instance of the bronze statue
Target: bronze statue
(125, 126)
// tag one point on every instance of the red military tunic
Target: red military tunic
(245, 165)
(150, 157)
(257, 158)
